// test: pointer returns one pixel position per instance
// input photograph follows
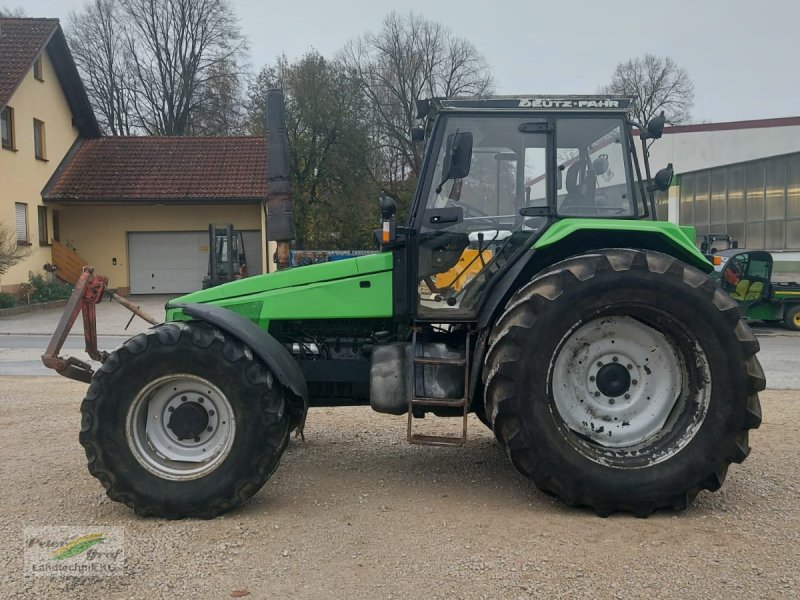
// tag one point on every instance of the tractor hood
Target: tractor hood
(359, 286)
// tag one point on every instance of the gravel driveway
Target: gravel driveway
(355, 512)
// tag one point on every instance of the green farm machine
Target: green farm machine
(747, 275)
(531, 285)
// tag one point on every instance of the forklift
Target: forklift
(226, 256)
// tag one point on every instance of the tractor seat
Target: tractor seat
(740, 293)
(754, 293)
(581, 187)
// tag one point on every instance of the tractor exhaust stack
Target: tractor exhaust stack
(280, 219)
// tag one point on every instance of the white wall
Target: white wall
(696, 150)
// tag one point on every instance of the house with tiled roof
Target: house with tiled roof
(43, 112)
(136, 208)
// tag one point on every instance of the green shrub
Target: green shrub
(7, 300)
(42, 290)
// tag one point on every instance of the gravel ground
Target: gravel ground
(355, 512)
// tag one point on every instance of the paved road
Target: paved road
(20, 354)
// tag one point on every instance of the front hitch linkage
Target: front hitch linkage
(88, 292)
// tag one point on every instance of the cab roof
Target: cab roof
(528, 103)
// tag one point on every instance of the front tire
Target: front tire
(640, 388)
(183, 421)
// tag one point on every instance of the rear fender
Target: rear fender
(561, 241)
(267, 348)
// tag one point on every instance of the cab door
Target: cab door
(470, 225)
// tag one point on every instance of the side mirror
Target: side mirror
(388, 207)
(655, 127)
(458, 156)
(417, 134)
(662, 179)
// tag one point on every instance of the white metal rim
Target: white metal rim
(608, 419)
(158, 449)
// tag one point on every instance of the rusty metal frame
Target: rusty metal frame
(88, 292)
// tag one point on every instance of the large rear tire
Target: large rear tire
(183, 421)
(639, 384)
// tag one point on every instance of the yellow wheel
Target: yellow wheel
(791, 317)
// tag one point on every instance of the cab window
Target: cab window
(593, 176)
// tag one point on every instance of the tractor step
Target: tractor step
(428, 401)
(415, 401)
(427, 360)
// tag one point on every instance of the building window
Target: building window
(757, 203)
(22, 222)
(39, 140)
(37, 69)
(7, 128)
(43, 237)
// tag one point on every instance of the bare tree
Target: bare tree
(176, 47)
(10, 252)
(219, 109)
(11, 13)
(162, 67)
(100, 53)
(656, 84)
(411, 58)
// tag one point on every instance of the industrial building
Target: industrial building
(741, 178)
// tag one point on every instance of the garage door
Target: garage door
(167, 263)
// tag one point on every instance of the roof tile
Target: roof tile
(163, 169)
(21, 41)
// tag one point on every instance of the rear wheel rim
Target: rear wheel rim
(180, 427)
(620, 390)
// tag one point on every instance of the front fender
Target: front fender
(266, 347)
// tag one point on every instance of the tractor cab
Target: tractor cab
(498, 173)
(744, 274)
(713, 242)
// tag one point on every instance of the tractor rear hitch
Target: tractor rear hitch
(87, 294)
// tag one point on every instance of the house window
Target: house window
(39, 139)
(22, 222)
(42, 214)
(37, 69)
(7, 127)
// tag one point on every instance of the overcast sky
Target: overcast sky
(743, 55)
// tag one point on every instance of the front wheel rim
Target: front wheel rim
(621, 389)
(180, 427)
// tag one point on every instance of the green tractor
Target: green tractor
(587, 335)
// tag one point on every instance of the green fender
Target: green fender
(680, 240)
